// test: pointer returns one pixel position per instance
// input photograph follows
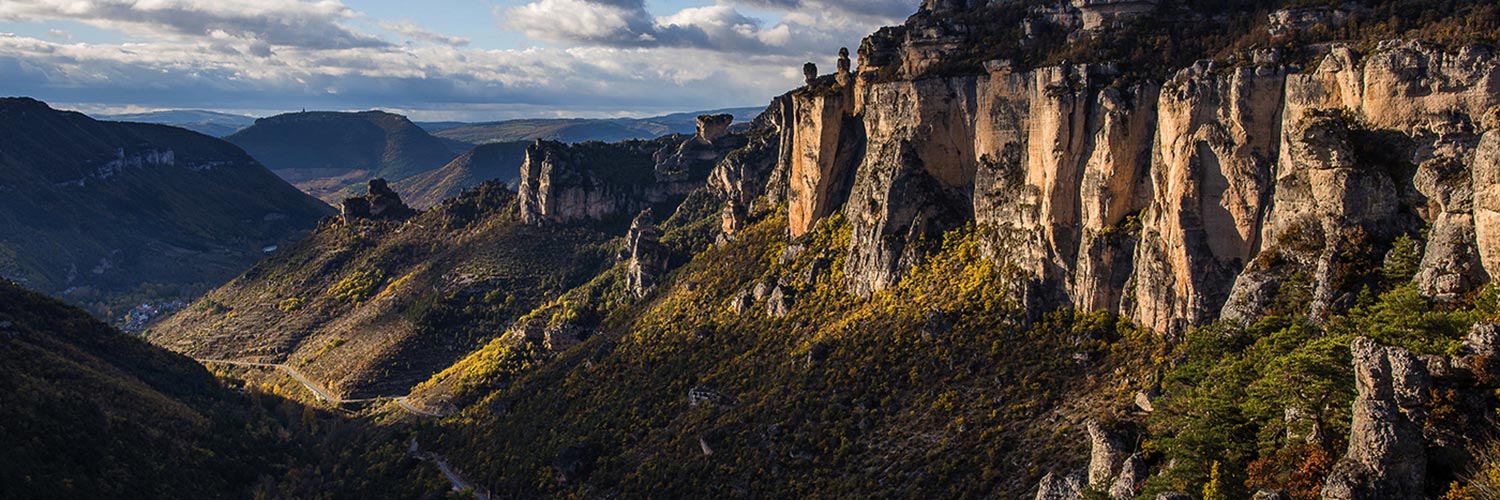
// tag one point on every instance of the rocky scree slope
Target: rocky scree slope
(113, 216)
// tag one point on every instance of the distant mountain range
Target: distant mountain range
(553, 129)
(579, 129)
(115, 215)
(331, 154)
(204, 122)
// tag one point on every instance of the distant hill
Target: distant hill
(580, 129)
(116, 215)
(324, 152)
(499, 160)
(204, 122)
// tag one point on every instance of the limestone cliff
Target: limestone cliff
(562, 183)
(1174, 203)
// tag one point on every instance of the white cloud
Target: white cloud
(316, 24)
(417, 32)
(806, 26)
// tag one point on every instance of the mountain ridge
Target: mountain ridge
(114, 215)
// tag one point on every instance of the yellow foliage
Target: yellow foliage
(290, 304)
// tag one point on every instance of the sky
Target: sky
(468, 60)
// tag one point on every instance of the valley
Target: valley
(1051, 250)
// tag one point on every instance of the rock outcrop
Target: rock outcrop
(379, 203)
(1054, 487)
(1174, 203)
(648, 259)
(1112, 469)
(1387, 456)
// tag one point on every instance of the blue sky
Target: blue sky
(433, 60)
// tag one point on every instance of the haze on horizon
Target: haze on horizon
(453, 60)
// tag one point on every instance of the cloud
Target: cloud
(417, 32)
(807, 25)
(292, 23)
(870, 11)
(602, 22)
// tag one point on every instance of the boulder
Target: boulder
(353, 209)
(1133, 474)
(1106, 455)
(778, 303)
(741, 301)
(713, 127)
(385, 203)
(1270, 495)
(1483, 339)
(1054, 487)
(1144, 400)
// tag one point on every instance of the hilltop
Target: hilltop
(323, 152)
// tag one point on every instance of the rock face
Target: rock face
(647, 257)
(744, 176)
(1173, 204)
(1387, 457)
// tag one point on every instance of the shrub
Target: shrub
(358, 286)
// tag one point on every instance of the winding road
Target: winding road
(454, 478)
(317, 390)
